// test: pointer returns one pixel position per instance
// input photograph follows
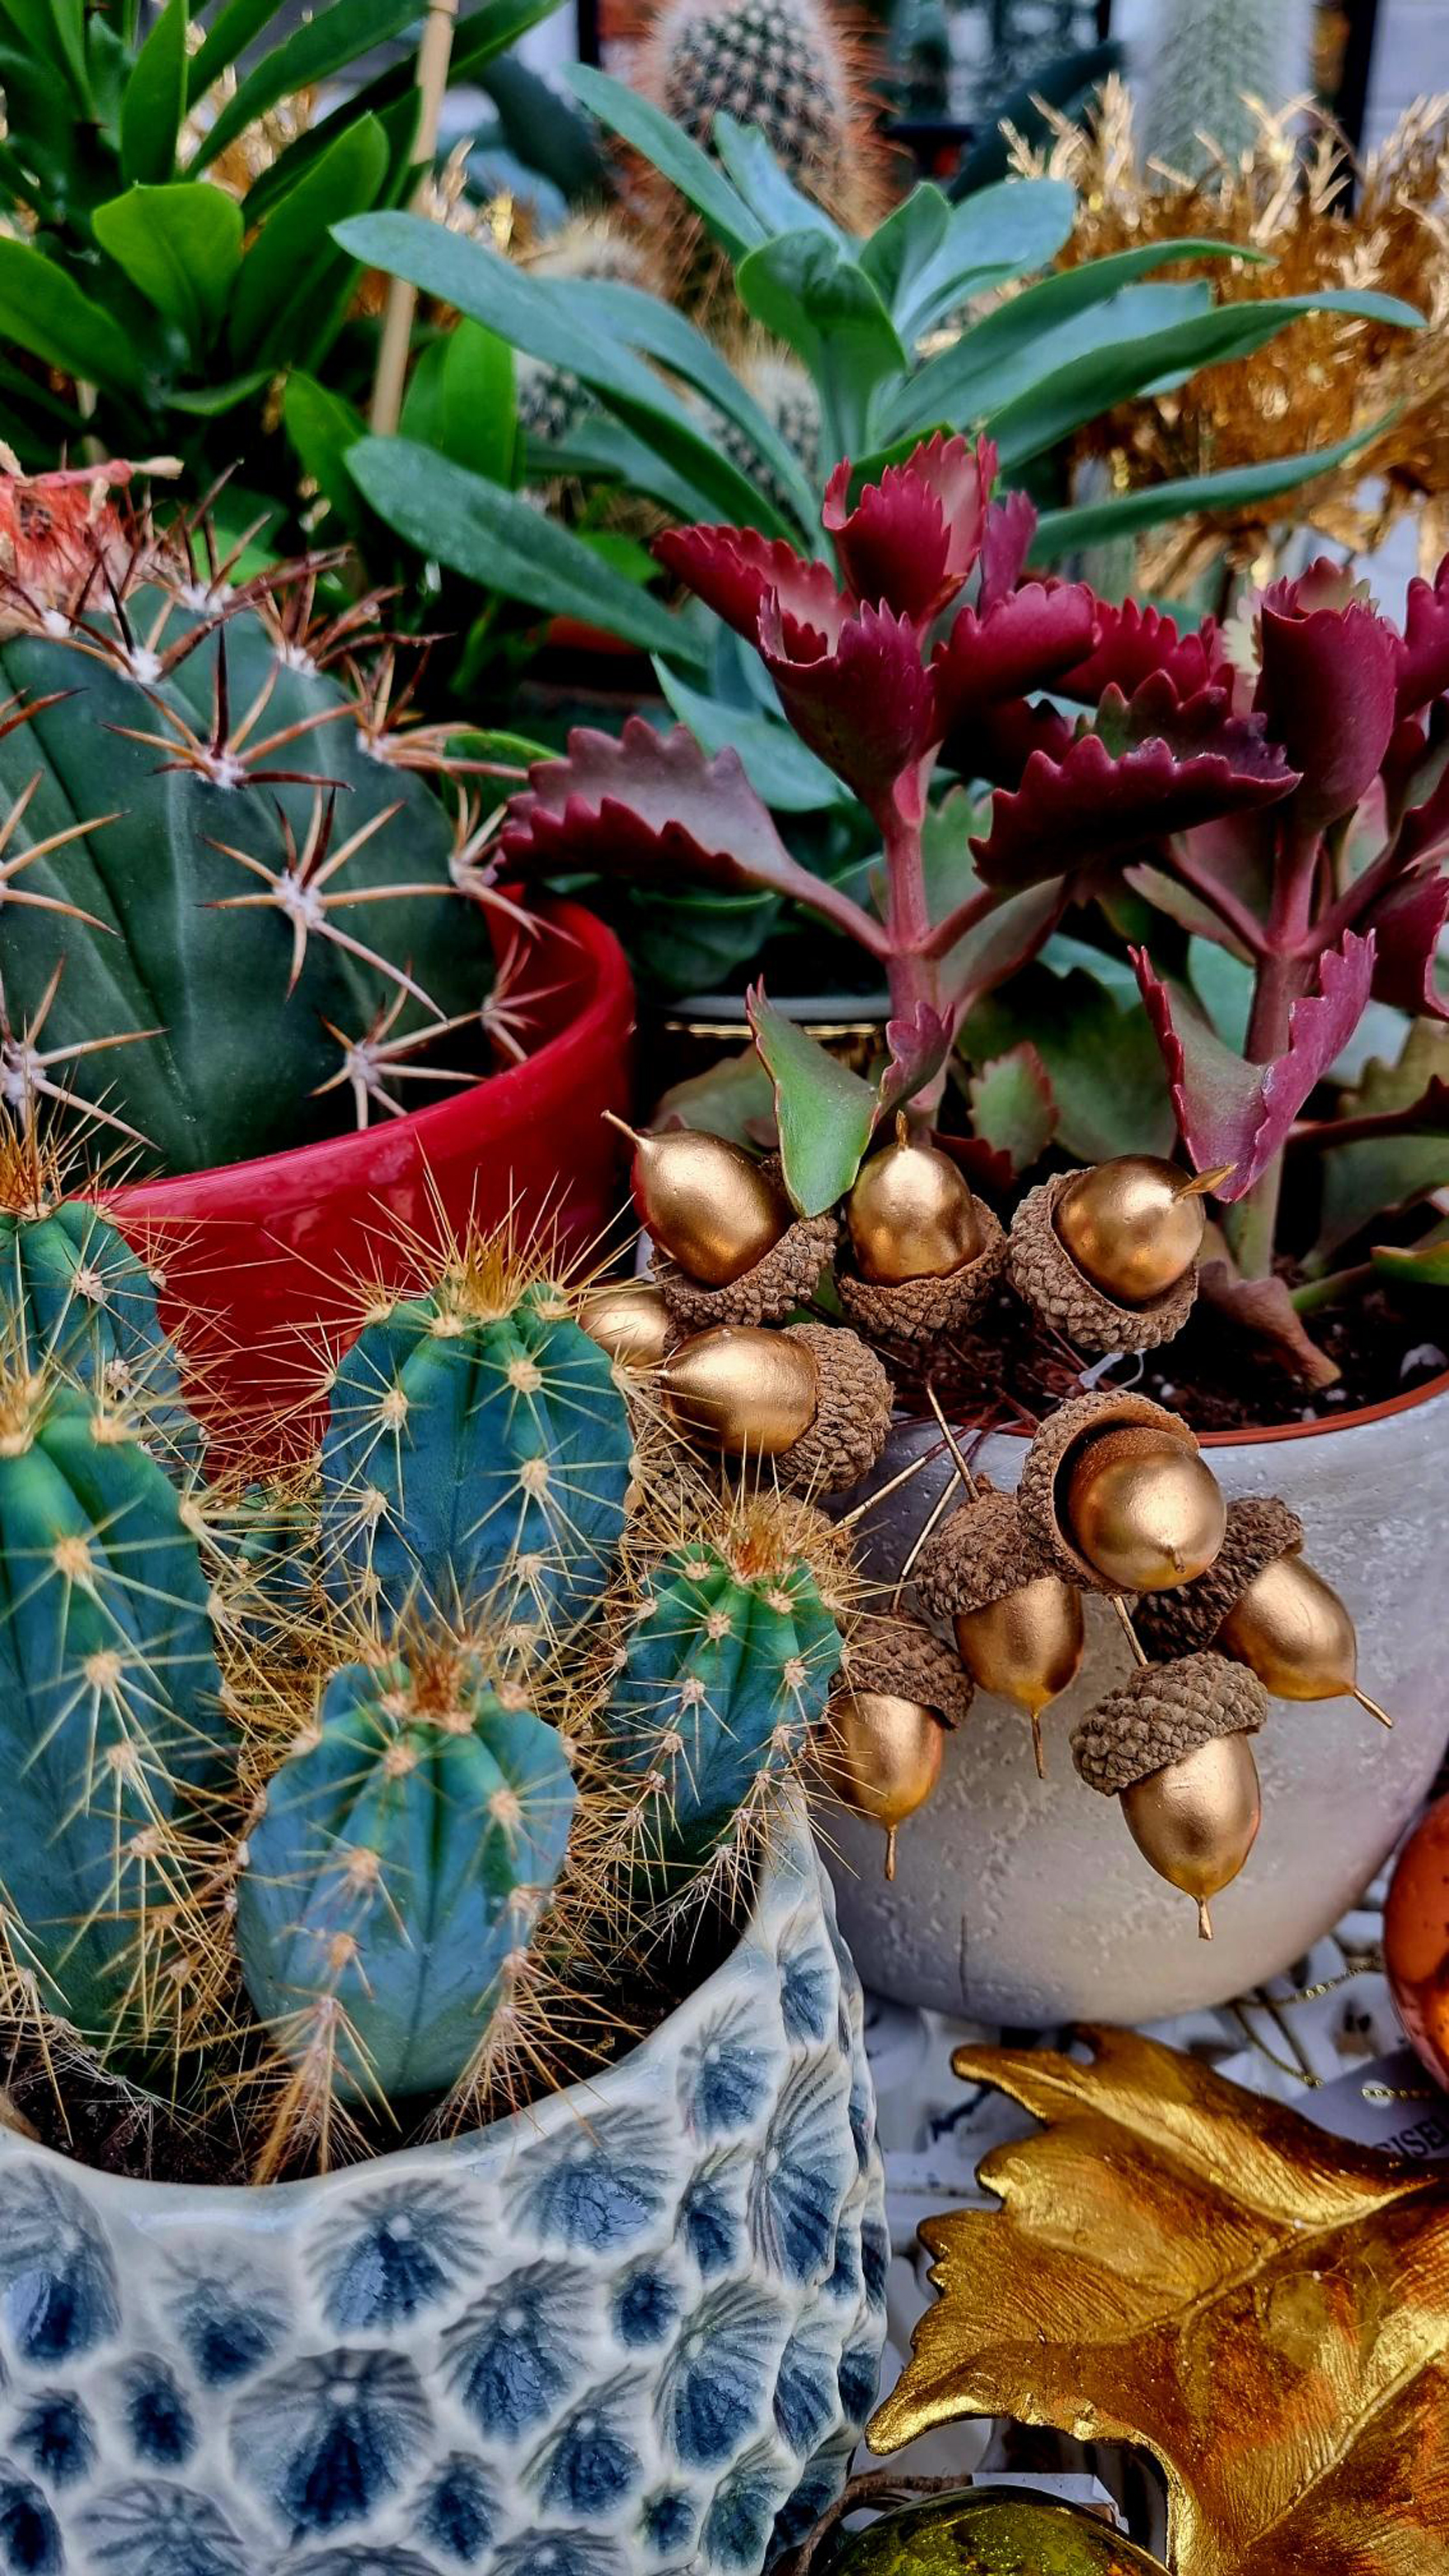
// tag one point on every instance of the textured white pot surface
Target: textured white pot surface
(1026, 1903)
(636, 2327)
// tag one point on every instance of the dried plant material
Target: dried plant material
(1324, 379)
(1180, 2264)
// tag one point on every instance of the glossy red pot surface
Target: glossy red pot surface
(258, 1256)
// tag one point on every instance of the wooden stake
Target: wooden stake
(435, 54)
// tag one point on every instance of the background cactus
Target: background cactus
(112, 1733)
(1204, 61)
(227, 872)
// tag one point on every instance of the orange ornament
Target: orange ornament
(1416, 1939)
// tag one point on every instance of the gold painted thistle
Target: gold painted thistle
(1180, 2264)
(1329, 375)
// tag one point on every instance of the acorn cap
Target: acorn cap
(981, 1554)
(853, 1415)
(1047, 1279)
(1161, 1715)
(785, 1277)
(909, 1313)
(1049, 1454)
(1258, 1533)
(901, 1655)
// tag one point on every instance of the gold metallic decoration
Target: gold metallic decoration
(1026, 1647)
(1416, 1939)
(629, 1319)
(742, 1389)
(882, 1757)
(1134, 1225)
(1293, 1630)
(1181, 2265)
(705, 1202)
(1145, 1509)
(1327, 377)
(1197, 1820)
(992, 2531)
(911, 1214)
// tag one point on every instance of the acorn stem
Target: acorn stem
(612, 1119)
(1037, 1746)
(890, 1852)
(963, 1469)
(1204, 1920)
(1371, 1705)
(1200, 1187)
(1134, 1641)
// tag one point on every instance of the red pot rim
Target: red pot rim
(510, 1094)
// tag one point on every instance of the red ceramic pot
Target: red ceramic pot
(1416, 1939)
(258, 1256)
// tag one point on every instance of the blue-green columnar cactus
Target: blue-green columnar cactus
(244, 897)
(112, 1734)
(477, 1456)
(408, 1845)
(723, 1671)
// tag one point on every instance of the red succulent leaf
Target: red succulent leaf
(1154, 765)
(867, 708)
(651, 804)
(995, 742)
(913, 538)
(1133, 641)
(918, 1045)
(1265, 1309)
(1417, 784)
(734, 570)
(1005, 545)
(1326, 689)
(1230, 1111)
(1423, 648)
(1018, 645)
(1408, 926)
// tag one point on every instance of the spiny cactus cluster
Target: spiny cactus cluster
(239, 892)
(330, 1800)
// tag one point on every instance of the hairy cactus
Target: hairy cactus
(408, 1843)
(477, 1456)
(73, 1295)
(112, 1732)
(231, 888)
(726, 1664)
(1205, 60)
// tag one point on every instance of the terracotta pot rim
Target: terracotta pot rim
(1251, 1439)
(494, 1100)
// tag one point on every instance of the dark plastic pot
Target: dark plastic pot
(259, 1256)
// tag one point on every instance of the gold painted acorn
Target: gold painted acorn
(1017, 1623)
(1172, 1744)
(1109, 1255)
(1118, 1497)
(707, 1204)
(812, 1399)
(925, 1254)
(888, 1722)
(630, 1320)
(1261, 1602)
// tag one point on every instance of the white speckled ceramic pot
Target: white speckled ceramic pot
(634, 2330)
(1026, 1903)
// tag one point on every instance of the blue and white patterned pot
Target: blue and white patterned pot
(634, 2330)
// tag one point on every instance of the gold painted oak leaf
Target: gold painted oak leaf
(1180, 2264)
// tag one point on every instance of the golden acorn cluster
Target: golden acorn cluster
(1115, 1496)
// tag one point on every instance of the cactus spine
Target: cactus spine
(408, 1844)
(227, 865)
(112, 1733)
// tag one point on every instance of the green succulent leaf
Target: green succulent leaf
(286, 289)
(1013, 1106)
(322, 428)
(461, 401)
(180, 245)
(777, 764)
(771, 196)
(155, 99)
(1121, 514)
(43, 310)
(699, 179)
(1101, 1060)
(315, 52)
(1424, 1265)
(825, 307)
(826, 1114)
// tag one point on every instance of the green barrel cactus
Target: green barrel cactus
(408, 1845)
(477, 1456)
(722, 1673)
(112, 1731)
(232, 868)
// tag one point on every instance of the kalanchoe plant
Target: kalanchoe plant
(887, 669)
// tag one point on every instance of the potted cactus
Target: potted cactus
(357, 1832)
(252, 916)
(1260, 809)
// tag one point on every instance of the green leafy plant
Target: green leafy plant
(349, 1833)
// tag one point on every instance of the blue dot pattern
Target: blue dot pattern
(634, 2332)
